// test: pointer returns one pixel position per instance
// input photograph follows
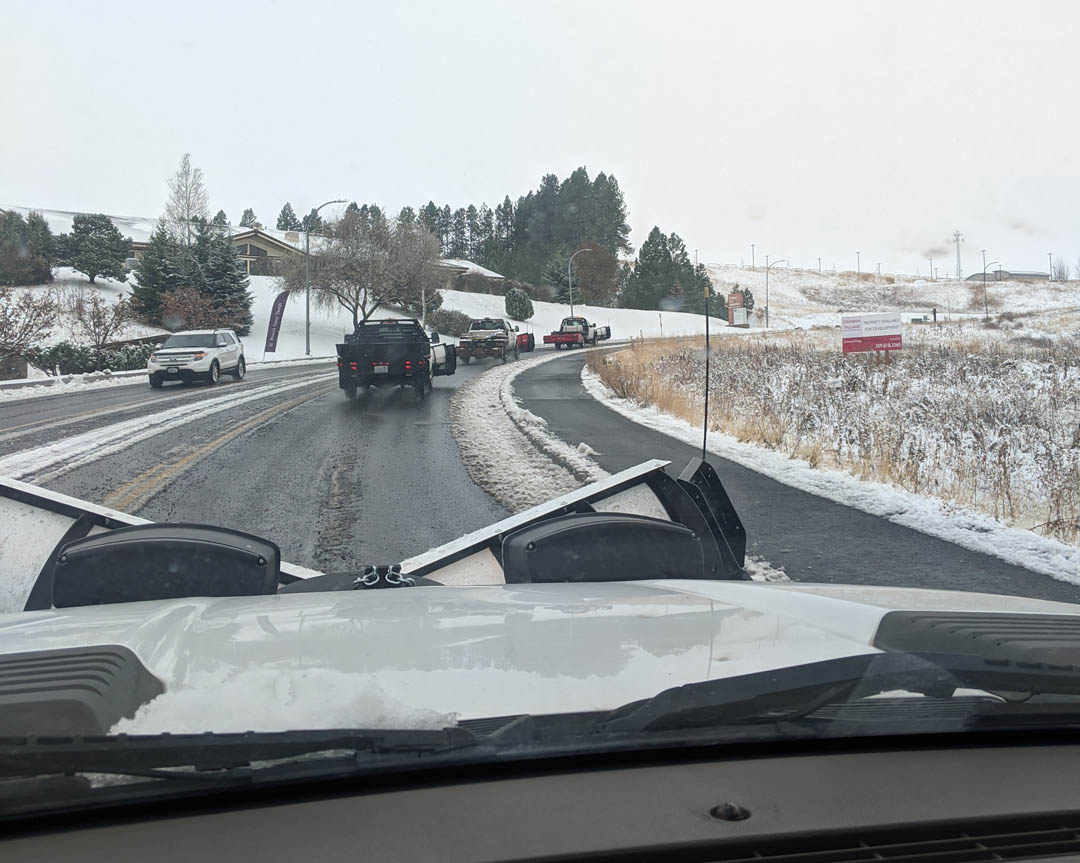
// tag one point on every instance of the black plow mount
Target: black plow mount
(639, 524)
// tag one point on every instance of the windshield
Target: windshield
(200, 340)
(755, 326)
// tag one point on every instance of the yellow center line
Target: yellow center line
(150, 482)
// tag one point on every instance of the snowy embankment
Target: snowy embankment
(1000, 428)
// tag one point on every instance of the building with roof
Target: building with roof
(1010, 276)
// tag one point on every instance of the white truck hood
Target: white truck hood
(425, 656)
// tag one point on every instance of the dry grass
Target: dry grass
(981, 417)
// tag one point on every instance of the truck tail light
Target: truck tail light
(354, 366)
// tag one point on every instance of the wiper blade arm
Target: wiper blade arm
(797, 691)
(151, 755)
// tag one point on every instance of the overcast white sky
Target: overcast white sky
(807, 128)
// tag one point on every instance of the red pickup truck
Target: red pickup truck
(577, 332)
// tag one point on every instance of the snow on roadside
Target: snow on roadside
(507, 450)
(53, 459)
(964, 527)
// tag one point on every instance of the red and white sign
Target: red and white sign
(879, 331)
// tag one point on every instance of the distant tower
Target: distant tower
(958, 238)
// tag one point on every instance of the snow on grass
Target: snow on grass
(933, 516)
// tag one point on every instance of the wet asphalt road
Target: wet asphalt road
(335, 483)
(34, 421)
(812, 538)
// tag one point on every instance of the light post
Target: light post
(858, 262)
(879, 268)
(986, 308)
(752, 267)
(768, 267)
(307, 275)
(819, 265)
(570, 278)
(931, 269)
(1051, 276)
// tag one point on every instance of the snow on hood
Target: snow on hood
(426, 656)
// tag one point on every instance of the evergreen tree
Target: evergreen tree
(747, 297)
(19, 237)
(220, 219)
(407, 216)
(248, 219)
(518, 305)
(429, 218)
(156, 273)
(227, 283)
(95, 247)
(286, 220)
(40, 242)
(472, 228)
(459, 235)
(313, 222)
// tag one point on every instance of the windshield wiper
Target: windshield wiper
(796, 692)
(188, 757)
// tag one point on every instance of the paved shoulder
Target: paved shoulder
(814, 539)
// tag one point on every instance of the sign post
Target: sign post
(877, 331)
(736, 310)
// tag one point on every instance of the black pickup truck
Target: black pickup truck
(392, 351)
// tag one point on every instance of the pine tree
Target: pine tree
(429, 218)
(156, 273)
(248, 219)
(407, 216)
(472, 228)
(286, 220)
(227, 283)
(220, 219)
(313, 222)
(459, 234)
(95, 247)
(19, 265)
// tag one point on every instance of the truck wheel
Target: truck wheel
(421, 390)
(504, 355)
(156, 382)
(240, 370)
(558, 347)
(214, 374)
(467, 358)
(350, 391)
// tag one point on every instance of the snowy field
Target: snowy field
(806, 298)
(963, 416)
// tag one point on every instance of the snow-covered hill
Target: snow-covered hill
(806, 298)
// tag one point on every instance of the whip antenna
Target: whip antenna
(705, 432)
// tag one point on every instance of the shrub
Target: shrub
(449, 322)
(518, 305)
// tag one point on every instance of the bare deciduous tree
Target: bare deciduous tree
(367, 263)
(187, 201)
(1061, 271)
(187, 309)
(98, 322)
(26, 317)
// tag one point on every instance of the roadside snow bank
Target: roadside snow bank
(932, 516)
(509, 451)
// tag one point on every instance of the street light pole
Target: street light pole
(570, 278)
(819, 265)
(768, 267)
(858, 262)
(752, 267)
(1051, 277)
(307, 276)
(986, 308)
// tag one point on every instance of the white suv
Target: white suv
(197, 355)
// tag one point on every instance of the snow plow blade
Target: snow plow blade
(696, 500)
